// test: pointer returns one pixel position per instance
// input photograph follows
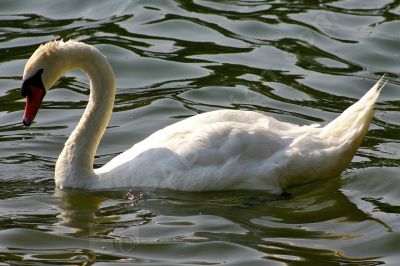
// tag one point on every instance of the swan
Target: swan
(218, 150)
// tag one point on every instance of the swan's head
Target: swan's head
(46, 65)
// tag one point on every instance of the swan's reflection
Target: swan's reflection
(252, 219)
(78, 212)
(98, 213)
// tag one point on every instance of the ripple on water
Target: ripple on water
(301, 62)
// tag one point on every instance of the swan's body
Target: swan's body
(220, 150)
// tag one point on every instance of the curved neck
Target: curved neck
(74, 167)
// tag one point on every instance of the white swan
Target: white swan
(219, 150)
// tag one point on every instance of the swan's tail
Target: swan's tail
(332, 148)
(353, 123)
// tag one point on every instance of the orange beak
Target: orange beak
(34, 97)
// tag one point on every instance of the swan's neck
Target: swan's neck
(74, 167)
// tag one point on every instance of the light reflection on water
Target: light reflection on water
(301, 62)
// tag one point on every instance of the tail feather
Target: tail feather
(381, 83)
(344, 135)
(358, 115)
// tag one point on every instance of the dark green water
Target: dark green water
(299, 61)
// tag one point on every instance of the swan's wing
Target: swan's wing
(202, 155)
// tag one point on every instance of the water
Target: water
(302, 62)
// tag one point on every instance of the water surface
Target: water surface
(302, 62)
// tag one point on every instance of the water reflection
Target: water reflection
(302, 62)
(273, 225)
(78, 211)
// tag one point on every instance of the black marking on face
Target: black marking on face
(35, 80)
